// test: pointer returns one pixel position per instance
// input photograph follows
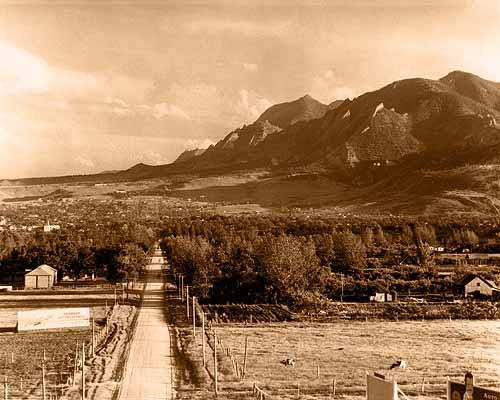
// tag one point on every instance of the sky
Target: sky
(91, 86)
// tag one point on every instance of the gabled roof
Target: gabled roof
(48, 266)
(470, 277)
(42, 270)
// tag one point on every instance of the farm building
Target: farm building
(475, 285)
(43, 277)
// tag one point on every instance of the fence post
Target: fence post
(187, 301)
(83, 371)
(194, 318)
(215, 364)
(93, 337)
(44, 395)
(245, 359)
(75, 366)
(203, 338)
(5, 389)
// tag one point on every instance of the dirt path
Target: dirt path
(149, 370)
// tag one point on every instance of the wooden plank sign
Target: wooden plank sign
(53, 318)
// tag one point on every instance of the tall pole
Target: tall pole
(182, 287)
(93, 337)
(5, 389)
(245, 359)
(187, 301)
(203, 338)
(44, 395)
(83, 371)
(342, 283)
(215, 364)
(75, 366)
(194, 317)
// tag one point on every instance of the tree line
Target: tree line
(303, 261)
(116, 253)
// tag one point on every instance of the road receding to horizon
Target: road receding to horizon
(150, 365)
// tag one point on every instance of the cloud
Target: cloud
(327, 87)
(85, 162)
(250, 67)
(192, 144)
(168, 110)
(249, 28)
(250, 105)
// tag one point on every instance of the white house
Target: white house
(49, 228)
(42, 277)
(475, 285)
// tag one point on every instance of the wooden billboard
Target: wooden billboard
(53, 318)
(378, 388)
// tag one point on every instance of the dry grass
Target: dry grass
(434, 350)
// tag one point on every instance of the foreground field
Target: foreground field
(22, 354)
(434, 350)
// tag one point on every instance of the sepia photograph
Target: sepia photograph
(250, 199)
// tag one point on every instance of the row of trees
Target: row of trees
(118, 256)
(228, 260)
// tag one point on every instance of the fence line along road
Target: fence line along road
(149, 368)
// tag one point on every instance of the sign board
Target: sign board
(456, 391)
(53, 318)
(380, 389)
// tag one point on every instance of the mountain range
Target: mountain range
(415, 145)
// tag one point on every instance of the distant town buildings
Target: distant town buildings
(49, 228)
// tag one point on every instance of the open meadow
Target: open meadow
(345, 351)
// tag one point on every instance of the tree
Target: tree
(291, 269)
(349, 253)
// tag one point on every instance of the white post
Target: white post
(44, 395)
(83, 371)
(194, 317)
(215, 363)
(203, 338)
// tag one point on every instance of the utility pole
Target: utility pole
(187, 301)
(203, 338)
(44, 395)
(215, 364)
(83, 371)
(342, 288)
(93, 337)
(194, 317)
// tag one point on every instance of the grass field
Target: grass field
(434, 351)
(21, 354)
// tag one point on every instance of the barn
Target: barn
(475, 285)
(42, 277)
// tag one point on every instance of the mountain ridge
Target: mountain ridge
(410, 125)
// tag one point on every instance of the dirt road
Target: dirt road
(149, 370)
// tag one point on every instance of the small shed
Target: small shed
(42, 277)
(475, 285)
